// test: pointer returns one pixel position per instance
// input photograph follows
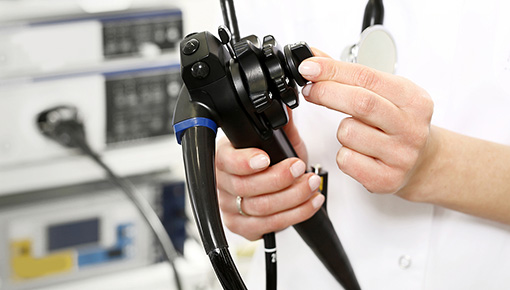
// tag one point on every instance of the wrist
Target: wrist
(419, 185)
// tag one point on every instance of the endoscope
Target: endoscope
(244, 85)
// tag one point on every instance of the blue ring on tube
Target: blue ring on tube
(182, 126)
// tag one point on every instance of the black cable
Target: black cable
(64, 127)
(144, 208)
(230, 19)
(374, 14)
(270, 251)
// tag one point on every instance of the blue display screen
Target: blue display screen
(68, 235)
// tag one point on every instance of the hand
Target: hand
(385, 139)
(274, 198)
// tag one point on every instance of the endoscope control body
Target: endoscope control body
(245, 88)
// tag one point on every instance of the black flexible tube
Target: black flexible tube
(230, 19)
(374, 14)
(271, 270)
(319, 234)
(318, 231)
(198, 147)
(148, 213)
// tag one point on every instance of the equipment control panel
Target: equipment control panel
(88, 42)
(140, 104)
(70, 233)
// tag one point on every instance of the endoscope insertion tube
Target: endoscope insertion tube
(198, 145)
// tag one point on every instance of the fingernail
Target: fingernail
(259, 162)
(306, 90)
(309, 68)
(318, 201)
(314, 182)
(342, 156)
(298, 168)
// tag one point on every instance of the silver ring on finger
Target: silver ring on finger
(239, 200)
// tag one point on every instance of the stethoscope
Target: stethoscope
(376, 47)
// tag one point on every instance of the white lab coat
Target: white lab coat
(459, 51)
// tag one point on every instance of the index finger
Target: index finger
(318, 52)
(394, 88)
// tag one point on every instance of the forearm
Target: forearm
(464, 174)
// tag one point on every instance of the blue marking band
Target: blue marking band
(182, 126)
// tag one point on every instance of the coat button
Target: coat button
(404, 262)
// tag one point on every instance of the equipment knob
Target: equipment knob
(295, 54)
(275, 63)
(253, 74)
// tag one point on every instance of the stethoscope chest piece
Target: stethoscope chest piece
(376, 49)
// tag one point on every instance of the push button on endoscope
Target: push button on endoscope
(200, 70)
(191, 46)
